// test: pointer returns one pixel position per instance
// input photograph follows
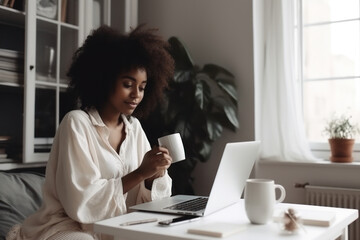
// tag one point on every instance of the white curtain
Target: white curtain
(282, 127)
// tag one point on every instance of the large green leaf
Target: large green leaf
(183, 127)
(229, 109)
(214, 70)
(181, 76)
(205, 151)
(229, 89)
(214, 128)
(178, 51)
(202, 93)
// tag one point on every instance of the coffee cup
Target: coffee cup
(260, 199)
(174, 145)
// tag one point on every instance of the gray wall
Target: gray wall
(218, 32)
(340, 175)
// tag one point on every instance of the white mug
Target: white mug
(260, 199)
(175, 146)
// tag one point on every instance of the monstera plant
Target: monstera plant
(198, 104)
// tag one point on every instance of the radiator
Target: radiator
(336, 197)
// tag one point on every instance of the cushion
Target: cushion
(20, 196)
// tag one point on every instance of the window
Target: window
(329, 65)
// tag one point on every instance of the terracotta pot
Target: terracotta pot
(341, 149)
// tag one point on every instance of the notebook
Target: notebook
(218, 229)
(235, 167)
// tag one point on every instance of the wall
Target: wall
(218, 32)
(322, 173)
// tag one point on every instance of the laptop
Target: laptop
(234, 169)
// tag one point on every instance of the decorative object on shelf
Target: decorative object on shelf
(46, 70)
(49, 59)
(47, 8)
(341, 133)
(198, 104)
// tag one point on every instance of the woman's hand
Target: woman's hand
(155, 162)
(154, 165)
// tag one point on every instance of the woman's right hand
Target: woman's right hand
(155, 162)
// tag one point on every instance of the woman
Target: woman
(101, 161)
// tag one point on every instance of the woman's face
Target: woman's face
(129, 91)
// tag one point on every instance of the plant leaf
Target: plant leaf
(181, 76)
(205, 151)
(229, 109)
(214, 70)
(184, 128)
(181, 55)
(202, 93)
(214, 128)
(229, 89)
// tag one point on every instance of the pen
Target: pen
(139, 222)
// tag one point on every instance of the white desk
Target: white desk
(233, 214)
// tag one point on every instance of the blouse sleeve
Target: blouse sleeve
(84, 195)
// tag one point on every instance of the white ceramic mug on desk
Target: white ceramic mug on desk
(260, 199)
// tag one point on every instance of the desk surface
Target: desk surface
(234, 214)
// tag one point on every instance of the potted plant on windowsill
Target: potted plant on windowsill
(341, 134)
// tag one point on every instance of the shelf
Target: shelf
(44, 20)
(43, 84)
(10, 84)
(10, 16)
(48, 39)
(70, 26)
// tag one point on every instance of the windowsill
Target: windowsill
(320, 164)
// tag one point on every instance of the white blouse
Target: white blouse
(83, 176)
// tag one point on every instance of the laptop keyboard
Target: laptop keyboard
(194, 205)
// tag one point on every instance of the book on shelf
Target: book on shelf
(8, 3)
(11, 53)
(43, 140)
(11, 60)
(11, 3)
(6, 160)
(15, 4)
(11, 66)
(5, 3)
(13, 77)
(63, 10)
(4, 143)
